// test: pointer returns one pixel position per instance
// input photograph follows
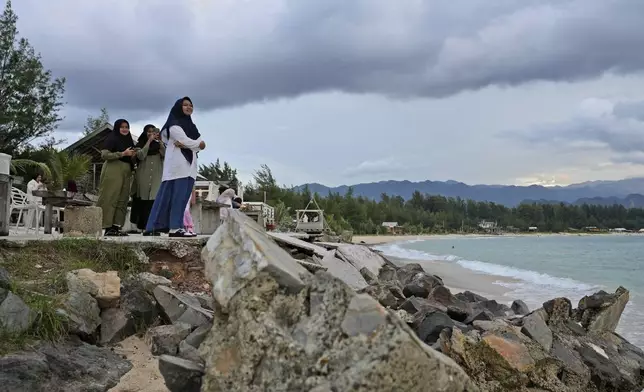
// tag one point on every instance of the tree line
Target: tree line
(434, 213)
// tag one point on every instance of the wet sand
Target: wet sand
(145, 375)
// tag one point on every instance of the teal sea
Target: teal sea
(538, 268)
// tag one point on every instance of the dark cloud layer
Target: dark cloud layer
(600, 124)
(139, 56)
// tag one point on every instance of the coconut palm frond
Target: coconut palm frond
(20, 166)
(65, 167)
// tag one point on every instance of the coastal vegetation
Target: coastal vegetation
(423, 214)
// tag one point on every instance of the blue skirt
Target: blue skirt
(170, 205)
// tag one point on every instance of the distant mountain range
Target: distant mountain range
(627, 192)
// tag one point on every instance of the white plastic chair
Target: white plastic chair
(20, 203)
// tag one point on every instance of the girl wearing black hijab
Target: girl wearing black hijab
(116, 177)
(183, 141)
(147, 180)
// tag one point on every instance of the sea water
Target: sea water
(542, 267)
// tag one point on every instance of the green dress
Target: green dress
(114, 189)
(148, 175)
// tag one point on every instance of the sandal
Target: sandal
(180, 234)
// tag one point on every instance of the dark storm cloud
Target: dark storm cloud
(142, 55)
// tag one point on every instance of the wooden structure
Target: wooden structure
(262, 213)
(310, 220)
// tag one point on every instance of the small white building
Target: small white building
(487, 225)
(392, 227)
(533, 228)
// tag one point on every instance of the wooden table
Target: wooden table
(51, 199)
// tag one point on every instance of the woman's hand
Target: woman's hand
(178, 144)
(202, 145)
(128, 153)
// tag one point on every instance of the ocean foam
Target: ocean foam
(544, 281)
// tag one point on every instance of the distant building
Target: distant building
(592, 229)
(489, 227)
(618, 230)
(533, 228)
(392, 227)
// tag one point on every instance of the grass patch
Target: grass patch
(42, 265)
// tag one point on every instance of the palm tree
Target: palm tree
(22, 165)
(65, 167)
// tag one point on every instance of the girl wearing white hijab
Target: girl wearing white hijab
(226, 197)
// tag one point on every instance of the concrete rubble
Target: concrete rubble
(289, 315)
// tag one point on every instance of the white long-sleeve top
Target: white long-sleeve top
(175, 165)
(32, 186)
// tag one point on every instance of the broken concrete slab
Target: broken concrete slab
(298, 243)
(328, 245)
(150, 281)
(321, 338)
(104, 286)
(239, 251)
(344, 271)
(361, 256)
(181, 308)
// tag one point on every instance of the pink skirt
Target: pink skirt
(188, 224)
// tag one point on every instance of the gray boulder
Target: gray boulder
(69, 366)
(519, 307)
(428, 325)
(388, 294)
(602, 311)
(5, 279)
(15, 315)
(535, 327)
(180, 375)
(165, 339)
(137, 311)
(197, 336)
(83, 313)
(468, 296)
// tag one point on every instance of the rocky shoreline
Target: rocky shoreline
(286, 316)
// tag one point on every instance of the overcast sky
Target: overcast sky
(349, 91)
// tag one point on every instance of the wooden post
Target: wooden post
(5, 194)
(5, 203)
(49, 216)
